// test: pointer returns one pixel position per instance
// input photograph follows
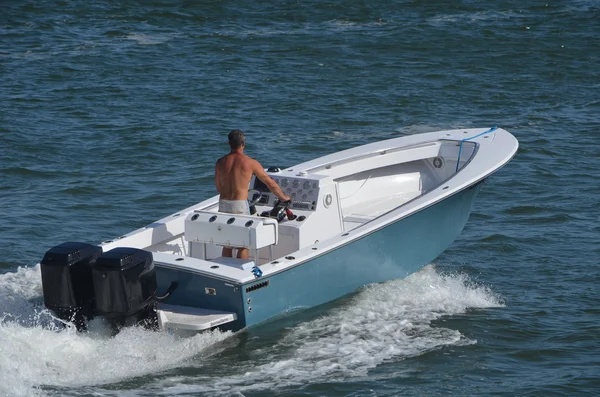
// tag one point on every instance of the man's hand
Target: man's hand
(267, 180)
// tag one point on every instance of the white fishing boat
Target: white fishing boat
(372, 213)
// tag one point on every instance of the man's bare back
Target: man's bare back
(232, 178)
(234, 171)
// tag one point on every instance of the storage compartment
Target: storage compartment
(231, 230)
(67, 281)
(125, 285)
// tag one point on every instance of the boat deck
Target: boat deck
(336, 198)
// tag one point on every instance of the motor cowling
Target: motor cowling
(125, 286)
(67, 281)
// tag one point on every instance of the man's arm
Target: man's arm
(267, 180)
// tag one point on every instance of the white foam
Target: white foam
(17, 290)
(383, 323)
(149, 39)
(34, 352)
(476, 17)
(345, 24)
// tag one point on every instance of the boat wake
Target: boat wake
(382, 323)
(37, 353)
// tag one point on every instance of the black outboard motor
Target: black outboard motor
(67, 281)
(125, 287)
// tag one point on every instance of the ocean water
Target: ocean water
(112, 115)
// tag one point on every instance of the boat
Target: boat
(365, 215)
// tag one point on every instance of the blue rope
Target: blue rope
(468, 139)
(256, 271)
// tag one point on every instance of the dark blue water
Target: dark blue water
(113, 114)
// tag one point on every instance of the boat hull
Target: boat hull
(391, 252)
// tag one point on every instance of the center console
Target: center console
(304, 192)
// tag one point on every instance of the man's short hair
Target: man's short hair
(236, 139)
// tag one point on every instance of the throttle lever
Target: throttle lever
(281, 210)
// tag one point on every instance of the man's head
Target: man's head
(237, 139)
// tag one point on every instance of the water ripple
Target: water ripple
(112, 115)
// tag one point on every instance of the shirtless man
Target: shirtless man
(232, 177)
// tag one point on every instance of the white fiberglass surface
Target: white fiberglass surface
(373, 192)
(383, 322)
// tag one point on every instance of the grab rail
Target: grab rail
(468, 139)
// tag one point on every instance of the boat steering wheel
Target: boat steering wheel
(253, 197)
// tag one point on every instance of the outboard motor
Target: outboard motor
(67, 281)
(125, 287)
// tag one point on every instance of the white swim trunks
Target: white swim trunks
(234, 206)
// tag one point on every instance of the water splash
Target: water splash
(148, 39)
(383, 323)
(37, 352)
